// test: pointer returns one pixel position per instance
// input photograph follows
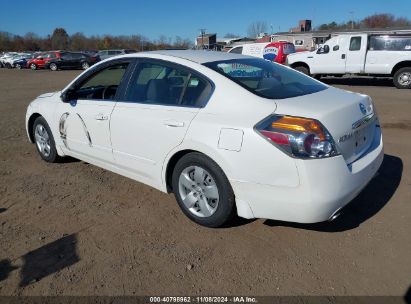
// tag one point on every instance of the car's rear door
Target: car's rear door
(357, 48)
(161, 101)
(76, 60)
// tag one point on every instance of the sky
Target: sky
(184, 17)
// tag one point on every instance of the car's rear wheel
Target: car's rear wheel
(33, 66)
(53, 67)
(402, 78)
(44, 141)
(85, 65)
(18, 66)
(202, 190)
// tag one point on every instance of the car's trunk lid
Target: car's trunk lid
(349, 117)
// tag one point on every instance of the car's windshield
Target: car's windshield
(267, 79)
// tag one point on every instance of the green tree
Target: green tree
(59, 39)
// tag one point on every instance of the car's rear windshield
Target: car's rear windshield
(267, 79)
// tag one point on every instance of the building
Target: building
(207, 41)
(303, 26)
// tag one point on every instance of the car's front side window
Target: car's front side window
(103, 84)
(160, 83)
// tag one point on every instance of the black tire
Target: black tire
(398, 78)
(18, 66)
(33, 66)
(53, 66)
(225, 209)
(53, 157)
(302, 69)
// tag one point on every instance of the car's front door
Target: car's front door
(161, 101)
(85, 122)
(331, 57)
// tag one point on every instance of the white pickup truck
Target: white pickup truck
(360, 54)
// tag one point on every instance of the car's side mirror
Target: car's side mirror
(68, 95)
(323, 50)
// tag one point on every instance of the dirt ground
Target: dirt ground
(75, 229)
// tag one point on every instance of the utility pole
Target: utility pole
(352, 19)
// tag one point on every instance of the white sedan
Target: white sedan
(228, 134)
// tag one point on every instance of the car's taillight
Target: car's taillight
(297, 136)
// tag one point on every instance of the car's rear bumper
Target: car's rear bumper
(326, 186)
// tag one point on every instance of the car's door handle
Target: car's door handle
(173, 123)
(343, 56)
(101, 116)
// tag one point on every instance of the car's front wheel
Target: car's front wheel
(203, 191)
(18, 66)
(44, 140)
(302, 69)
(53, 67)
(85, 65)
(33, 66)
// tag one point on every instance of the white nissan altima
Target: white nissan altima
(227, 134)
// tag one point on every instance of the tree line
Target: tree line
(61, 40)
(373, 21)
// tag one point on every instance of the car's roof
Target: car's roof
(193, 55)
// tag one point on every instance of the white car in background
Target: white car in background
(228, 134)
(6, 57)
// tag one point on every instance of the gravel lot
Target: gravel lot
(75, 229)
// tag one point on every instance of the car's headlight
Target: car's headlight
(298, 137)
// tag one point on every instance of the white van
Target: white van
(273, 51)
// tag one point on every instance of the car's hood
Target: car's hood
(298, 56)
(346, 115)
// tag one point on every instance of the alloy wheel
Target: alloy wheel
(42, 140)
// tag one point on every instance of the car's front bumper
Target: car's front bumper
(326, 186)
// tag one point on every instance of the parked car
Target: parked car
(359, 54)
(40, 62)
(226, 133)
(71, 60)
(20, 61)
(273, 51)
(104, 54)
(5, 58)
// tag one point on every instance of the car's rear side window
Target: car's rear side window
(267, 79)
(167, 84)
